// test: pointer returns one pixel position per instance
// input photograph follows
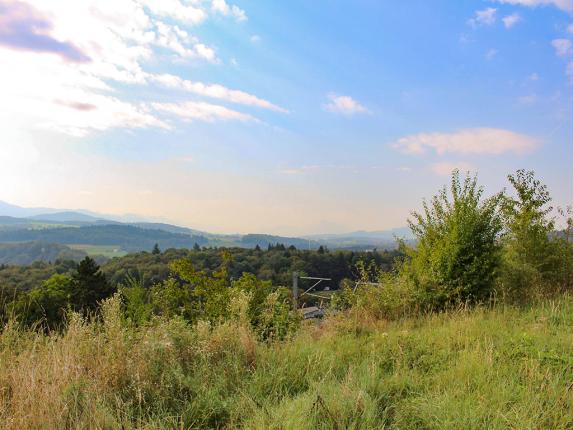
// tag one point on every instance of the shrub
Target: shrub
(457, 256)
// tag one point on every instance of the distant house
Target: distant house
(311, 312)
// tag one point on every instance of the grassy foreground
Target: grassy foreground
(471, 369)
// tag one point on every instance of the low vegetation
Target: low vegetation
(495, 369)
(470, 329)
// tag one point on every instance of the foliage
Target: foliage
(197, 296)
(137, 304)
(30, 252)
(47, 304)
(534, 256)
(376, 294)
(127, 237)
(495, 369)
(457, 256)
(89, 285)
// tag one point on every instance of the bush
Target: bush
(457, 256)
(197, 296)
(375, 295)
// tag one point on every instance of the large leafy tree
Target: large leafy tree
(458, 252)
(46, 304)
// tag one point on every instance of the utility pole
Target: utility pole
(295, 290)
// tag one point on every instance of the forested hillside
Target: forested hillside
(30, 252)
(127, 237)
(107, 238)
(273, 264)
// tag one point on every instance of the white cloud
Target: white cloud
(570, 28)
(565, 5)
(491, 54)
(445, 168)
(528, 100)
(176, 10)
(62, 99)
(511, 20)
(215, 91)
(223, 8)
(345, 105)
(533, 77)
(180, 42)
(562, 47)
(484, 17)
(477, 141)
(62, 61)
(301, 170)
(202, 111)
(569, 71)
(255, 38)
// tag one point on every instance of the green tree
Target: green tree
(137, 300)
(89, 285)
(156, 250)
(46, 304)
(533, 253)
(458, 252)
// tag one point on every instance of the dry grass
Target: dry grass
(471, 369)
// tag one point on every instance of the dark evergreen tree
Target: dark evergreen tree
(89, 285)
(156, 250)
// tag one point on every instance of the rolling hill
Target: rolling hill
(30, 252)
(95, 234)
(126, 237)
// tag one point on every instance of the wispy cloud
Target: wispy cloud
(484, 17)
(215, 91)
(527, 100)
(511, 20)
(565, 5)
(222, 7)
(562, 47)
(477, 141)
(23, 27)
(491, 54)
(445, 168)
(201, 111)
(177, 10)
(299, 170)
(96, 47)
(569, 71)
(344, 105)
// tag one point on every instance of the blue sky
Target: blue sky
(283, 117)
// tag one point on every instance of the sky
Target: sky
(280, 117)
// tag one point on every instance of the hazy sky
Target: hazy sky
(276, 116)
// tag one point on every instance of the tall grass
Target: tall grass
(466, 369)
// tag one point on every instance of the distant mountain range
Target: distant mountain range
(8, 209)
(97, 234)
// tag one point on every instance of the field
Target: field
(108, 251)
(505, 368)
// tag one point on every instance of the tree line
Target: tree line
(43, 293)
(470, 249)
